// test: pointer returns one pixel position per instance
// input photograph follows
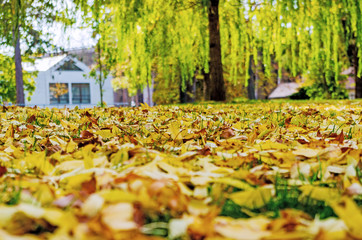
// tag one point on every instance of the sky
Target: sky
(75, 37)
(72, 38)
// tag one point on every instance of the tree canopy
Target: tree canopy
(21, 30)
(304, 37)
(219, 39)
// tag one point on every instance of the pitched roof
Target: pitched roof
(43, 64)
(284, 90)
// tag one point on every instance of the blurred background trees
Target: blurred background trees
(21, 31)
(194, 50)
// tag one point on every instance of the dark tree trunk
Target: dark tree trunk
(187, 95)
(194, 89)
(251, 80)
(100, 78)
(355, 64)
(183, 94)
(204, 85)
(20, 99)
(215, 87)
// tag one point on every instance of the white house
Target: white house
(63, 81)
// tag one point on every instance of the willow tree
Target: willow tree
(21, 24)
(317, 37)
(183, 37)
(169, 34)
(351, 14)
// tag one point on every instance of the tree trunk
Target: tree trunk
(215, 86)
(251, 80)
(358, 80)
(153, 74)
(188, 95)
(194, 89)
(20, 99)
(205, 84)
(183, 94)
(100, 78)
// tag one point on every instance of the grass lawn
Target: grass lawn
(254, 170)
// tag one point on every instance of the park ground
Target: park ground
(255, 170)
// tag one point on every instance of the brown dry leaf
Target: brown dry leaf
(227, 133)
(3, 170)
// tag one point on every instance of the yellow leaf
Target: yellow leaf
(69, 165)
(264, 133)
(87, 156)
(306, 152)
(296, 129)
(350, 213)
(320, 193)
(57, 217)
(106, 134)
(39, 161)
(116, 195)
(43, 194)
(243, 229)
(6, 213)
(271, 145)
(31, 210)
(238, 126)
(75, 181)
(71, 146)
(233, 182)
(119, 157)
(175, 130)
(254, 198)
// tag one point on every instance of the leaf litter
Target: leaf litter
(252, 171)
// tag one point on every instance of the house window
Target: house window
(59, 93)
(80, 93)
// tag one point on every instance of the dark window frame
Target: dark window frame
(81, 98)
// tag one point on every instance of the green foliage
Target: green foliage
(318, 91)
(166, 92)
(7, 80)
(308, 38)
(301, 94)
(29, 16)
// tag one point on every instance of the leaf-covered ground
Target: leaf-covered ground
(251, 171)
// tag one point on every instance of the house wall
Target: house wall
(41, 95)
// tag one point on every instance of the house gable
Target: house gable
(68, 65)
